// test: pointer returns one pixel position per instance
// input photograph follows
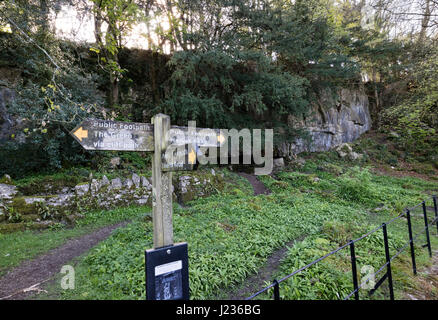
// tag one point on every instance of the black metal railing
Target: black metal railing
(388, 259)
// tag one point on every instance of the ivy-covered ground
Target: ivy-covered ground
(231, 235)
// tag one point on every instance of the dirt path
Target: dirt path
(258, 281)
(258, 186)
(27, 278)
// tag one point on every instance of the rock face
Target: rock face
(332, 122)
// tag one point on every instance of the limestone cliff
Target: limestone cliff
(333, 121)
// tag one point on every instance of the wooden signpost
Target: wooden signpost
(167, 263)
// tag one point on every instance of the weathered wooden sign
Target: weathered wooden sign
(196, 136)
(95, 134)
(166, 264)
(179, 159)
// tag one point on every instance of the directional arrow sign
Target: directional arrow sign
(183, 158)
(95, 134)
(197, 136)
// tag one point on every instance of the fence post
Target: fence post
(388, 261)
(411, 241)
(435, 206)
(354, 270)
(427, 229)
(276, 290)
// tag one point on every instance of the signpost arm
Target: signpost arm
(161, 186)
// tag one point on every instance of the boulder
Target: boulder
(7, 191)
(94, 185)
(344, 150)
(32, 200)
(145, 183)
(104, 181)
(116, 183)
(82, 189)
(136, 180)
(3, 211)
(128, 184)
(279, 163)
(355, 156)
(143, 200)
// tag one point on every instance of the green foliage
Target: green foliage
(48, 103)
(19, 246)
(217, 88)
(230, 235)
(416, 118)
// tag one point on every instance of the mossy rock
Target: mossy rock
(20, 206)
(12, 227)
(21, 226)
(202, 183)
(6, 180)
(49, 184)
(30, 218)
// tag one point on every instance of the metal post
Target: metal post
(354, 270)
(426, 224)
(435, 206)
(276, 290)
(388, 261)
(411, 241)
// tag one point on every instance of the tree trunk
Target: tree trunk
(44, 16)
(98, 26)
(425, 22)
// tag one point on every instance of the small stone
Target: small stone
(128, 183)
(355, 156)
(95, 186)
(394, 134)
(65, 190)
(279, 163)
(300, 162)
(142, 201)
(136, 180)
(104, 182)
(344, 150)
(31, 200)
(213, 172)
(116, 183)
(145, 183)
(82, 189)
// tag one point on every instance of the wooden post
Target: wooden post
(161, 186)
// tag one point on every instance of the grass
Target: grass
(231, 235)
(20, 246)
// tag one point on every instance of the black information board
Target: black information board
(167, 273)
